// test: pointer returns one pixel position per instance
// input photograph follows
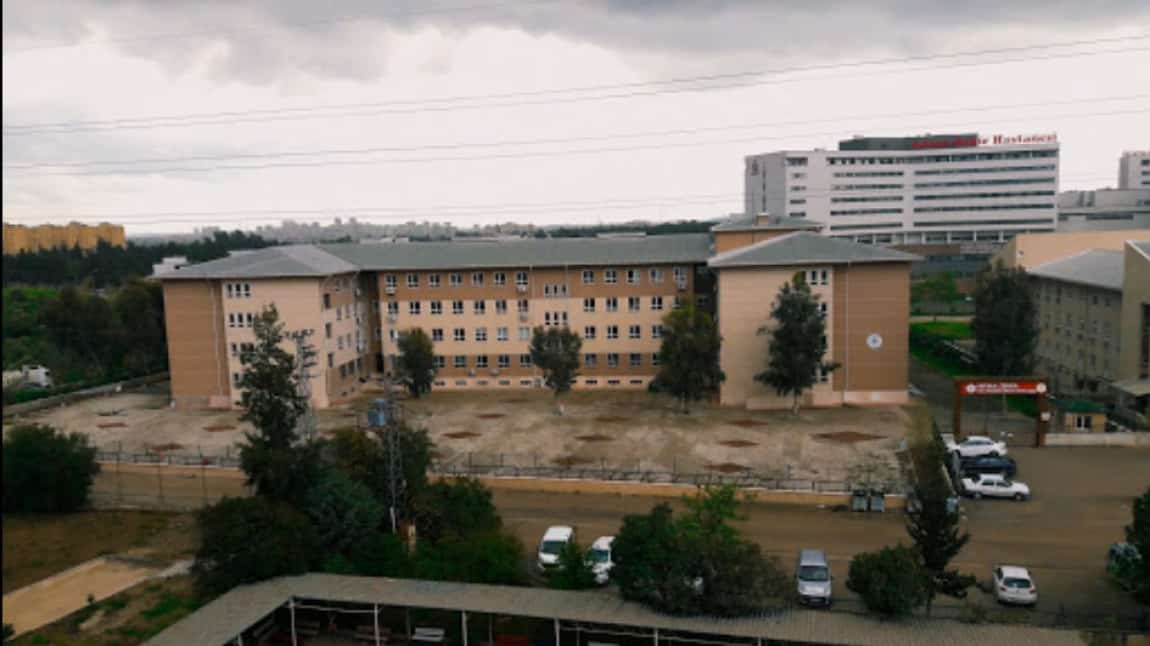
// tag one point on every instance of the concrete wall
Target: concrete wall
(1128, 440)
(197, 343)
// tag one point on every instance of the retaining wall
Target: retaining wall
(1128, 440)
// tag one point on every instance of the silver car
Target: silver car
(813, 578)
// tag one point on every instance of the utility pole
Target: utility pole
(385, 421)
(304, 362)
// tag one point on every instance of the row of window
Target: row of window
(988, 207)
(887, 211)
(241, 319)
(502, 334)
(946, 158)
(987, 182)
(988, 169)
(868, 198)
(238, 290)
(864, 187)
(970, 196)
(871, 173)
(499, 278)
(610, 304)
(591, 360)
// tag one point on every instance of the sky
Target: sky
(166, 116)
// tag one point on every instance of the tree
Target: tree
(934, 528)
(493, 558)
(890, 581)
(798, 342)
(277, 464)
(689, 355)
(343, 511)
(416, 364)
(573, 571)
(364, 457)
(139, 307)
(555, 351)
(1005, 323)
(380, 554)
(455, 508)
(1138, 535)
(695, 564)
(47, 471)
(940, 288)
(244, 540)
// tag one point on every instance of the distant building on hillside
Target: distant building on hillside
(169, 263)
(1105, 209)
(18, 237)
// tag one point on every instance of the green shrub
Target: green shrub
(890, 581)
(46, 470)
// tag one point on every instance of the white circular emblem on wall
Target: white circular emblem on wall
(874, 341)
(1040, 388)
(970, 389)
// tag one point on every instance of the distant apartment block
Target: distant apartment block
(479, 301)
(1104, 210)
(18, 238)
(924, 190)
(1134, 170)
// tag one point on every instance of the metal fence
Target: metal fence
(165, 482)
(516, 466)
(229, 459)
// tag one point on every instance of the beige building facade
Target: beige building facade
(1135, 360)
(19, 238)
(480, 302)
(1032, 249)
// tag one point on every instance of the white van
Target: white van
(553, 542)
(813, 578)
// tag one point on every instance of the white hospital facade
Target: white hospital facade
(931, 189)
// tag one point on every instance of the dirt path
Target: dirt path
(57, 596)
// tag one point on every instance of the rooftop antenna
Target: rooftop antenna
(304, 362)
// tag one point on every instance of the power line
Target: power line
(389, 213)
(533, 154)
(291, 114)
(297, 23)
(559, 140)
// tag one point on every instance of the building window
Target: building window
(612, 360)
(250, 319)
(612, 331)
(588, 277)
(589, 332)
(680, 275)
(657, 303)
(339, 342)
(522, 306)
(436, 308)
(823, 309)
(501, 306)
(413, 308)
(440, 362)
(632, 303)
(393, 335)
(236, 377)
(437, 334)
(590, 361)
(635, 360)
(588, 304)
(481, 334)
(610, 277)
(477, 279)
(503, 361)
(392, 308)
(229, 288)
(412, 281)
(824, 375)
(456, 307)
(612, 304)
(501, 334)
(1083, 422)
(481, 361)
(499, 279)
(330, 359)
(433, 280)
(479, 307)
(656, 331)
(235, 350)
(656, 275)
(339, 313)
(678, 305)
(459, 361)
(633, 276)
(459, 334)
(231, 320)
(655, 359)
(634, 332)
(524, 361)
(390, 281)
(520, 279)
(524, 334)
(327, 301)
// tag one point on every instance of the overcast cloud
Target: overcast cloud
(82, 60)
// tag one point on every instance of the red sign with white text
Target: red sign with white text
(1005, 388)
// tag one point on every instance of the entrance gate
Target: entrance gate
(980, 386)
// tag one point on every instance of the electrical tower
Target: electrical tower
(385, 419)
(304, 362)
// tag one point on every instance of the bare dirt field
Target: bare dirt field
(640, 431)
(620, 430)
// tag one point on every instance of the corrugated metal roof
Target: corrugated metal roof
(272, 262)
(227, 616)
(534, 252)
(803, 247)
(1093, 267)
(743, 222)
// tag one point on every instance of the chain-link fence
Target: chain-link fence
(177, 482)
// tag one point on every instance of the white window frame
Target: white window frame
(413, 308)
(481, 334)
(611, 304)
(634, 276)
(433, 280)
(501, 334)
(412, 281)
(459, 335)
(479, 307)
(656, 303)
(634, 304)
(612, 332)
(499, 278)
(634, 332)
(588, 276)
(520, 279)
(436, 308)
(589, 304)
(589, 332)
(590, 360)
(477, 279)
(610, 277)
(457, 307)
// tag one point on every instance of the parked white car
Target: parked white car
(977, 445)
(554, 540)
(1013, 584)
(994, 486)
(599, 557)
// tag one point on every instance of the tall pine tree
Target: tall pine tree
(934, 528)
(689, 355)
(798, 342)
(1005, 323)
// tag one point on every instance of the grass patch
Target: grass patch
(949, 329)
(948, 367)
